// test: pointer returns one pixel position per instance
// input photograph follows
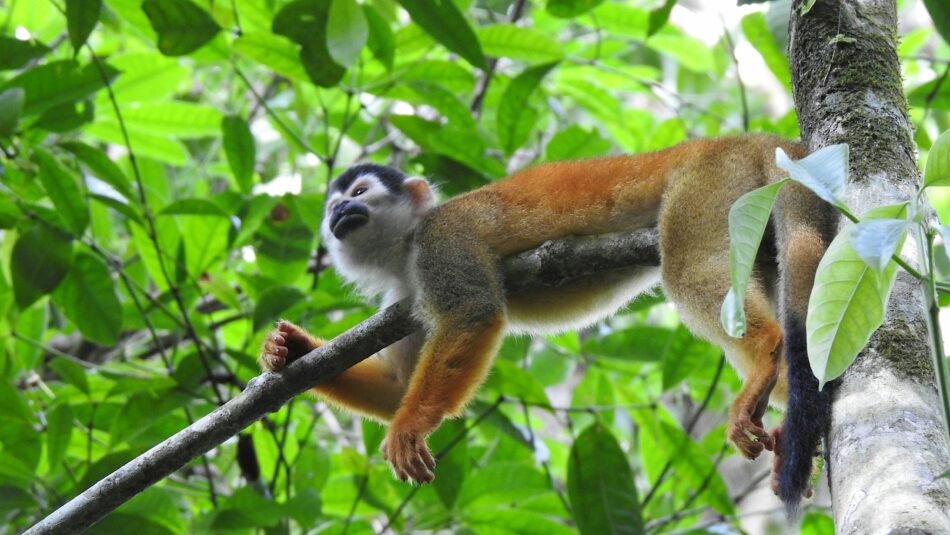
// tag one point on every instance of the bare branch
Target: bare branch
(551, 264)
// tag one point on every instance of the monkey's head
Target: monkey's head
(371, 212)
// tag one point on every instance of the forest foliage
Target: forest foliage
(163, 170)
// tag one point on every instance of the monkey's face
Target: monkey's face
(370, 213)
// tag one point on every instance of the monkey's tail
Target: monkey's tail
(807, 419)
(805, 226)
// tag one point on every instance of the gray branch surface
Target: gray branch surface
(549, 265)
(887, 446)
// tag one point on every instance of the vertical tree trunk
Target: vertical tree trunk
(886, 448)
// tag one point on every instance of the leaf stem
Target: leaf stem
(925, 239)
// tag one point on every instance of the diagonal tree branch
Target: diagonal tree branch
(552, 264)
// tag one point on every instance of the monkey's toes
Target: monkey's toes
(409, 456)
(274, 353)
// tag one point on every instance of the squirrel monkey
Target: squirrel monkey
(387, 236)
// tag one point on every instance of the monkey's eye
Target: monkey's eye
(359, 191)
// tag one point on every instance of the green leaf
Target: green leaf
(574, 142)
(66, 117)
(161, 148)
(515, 118)
(39, 263)
(87, 297)
(274, 52)
(511, 521)
(305, 23)
(847, 305)
(381, 42)
(876, 240)
(937, 170)
(442, 20)
(347, 31)
(567, 9)
(70, 373)
(684, 355)
(273, 302)
(182, 27)
(15, 53)
(9, 215)
(447, 103)
(147, 77)
(824, 171)
(940, 14)
(511, 380)
(757, 32)
(748, 218)
(175, 118)
(59, 429)
(102, 167)
(454, 465)
(501, 483)
(62, 187)
(11, 104)
(659, 16)
(81, 18)
(57, 82)
(515, 42)
(600, 485)
(687, 51)
(239, 150)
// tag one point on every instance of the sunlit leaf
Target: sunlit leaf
(824, 171)
(757, 32)
(100, 165)
(273, 302)
(239, 149)
(570, 8)
(876, 240)
(937, 171)
(347, 31)
(748, 218)
(57, 82)
(847, 305)
(515, 42)
(515, 117)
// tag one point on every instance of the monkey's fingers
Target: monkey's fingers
(273, 354)
(749, 439)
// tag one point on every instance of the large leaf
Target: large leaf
(877, 240)
(940, 13)
(182, 27)
(824, 171)
(15, 53)
(381, 41)
(274, 52)
(573, 143)
(937, 171)
(11, 104)
(515, 42)
(81, 18)
(62, 187)
(659, 16)
(512, 521)
(41, 258)
(174, 118)
(305, 23)
(515, 118)
(757, 32)
(847, 305)
(87, 297)
(59, 429)
(748, 218)
(239, 150)
(442, 20)
(57, 82)
(600, 485)
(347, 31)
(102, 167)
(147, 77)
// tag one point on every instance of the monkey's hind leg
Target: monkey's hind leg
(370, 387)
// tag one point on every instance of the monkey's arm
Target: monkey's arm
(369, 387)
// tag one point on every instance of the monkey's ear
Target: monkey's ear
(420, 193)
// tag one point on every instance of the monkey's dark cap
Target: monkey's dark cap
(391, 178)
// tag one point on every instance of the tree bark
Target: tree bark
(551, 264)
(887, 448)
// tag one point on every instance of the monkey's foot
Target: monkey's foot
(749, 435)
(777, 464)
(285, 344)
(409, 455)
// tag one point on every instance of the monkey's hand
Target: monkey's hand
(285, 344)
(406, 450)
(746, 429)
